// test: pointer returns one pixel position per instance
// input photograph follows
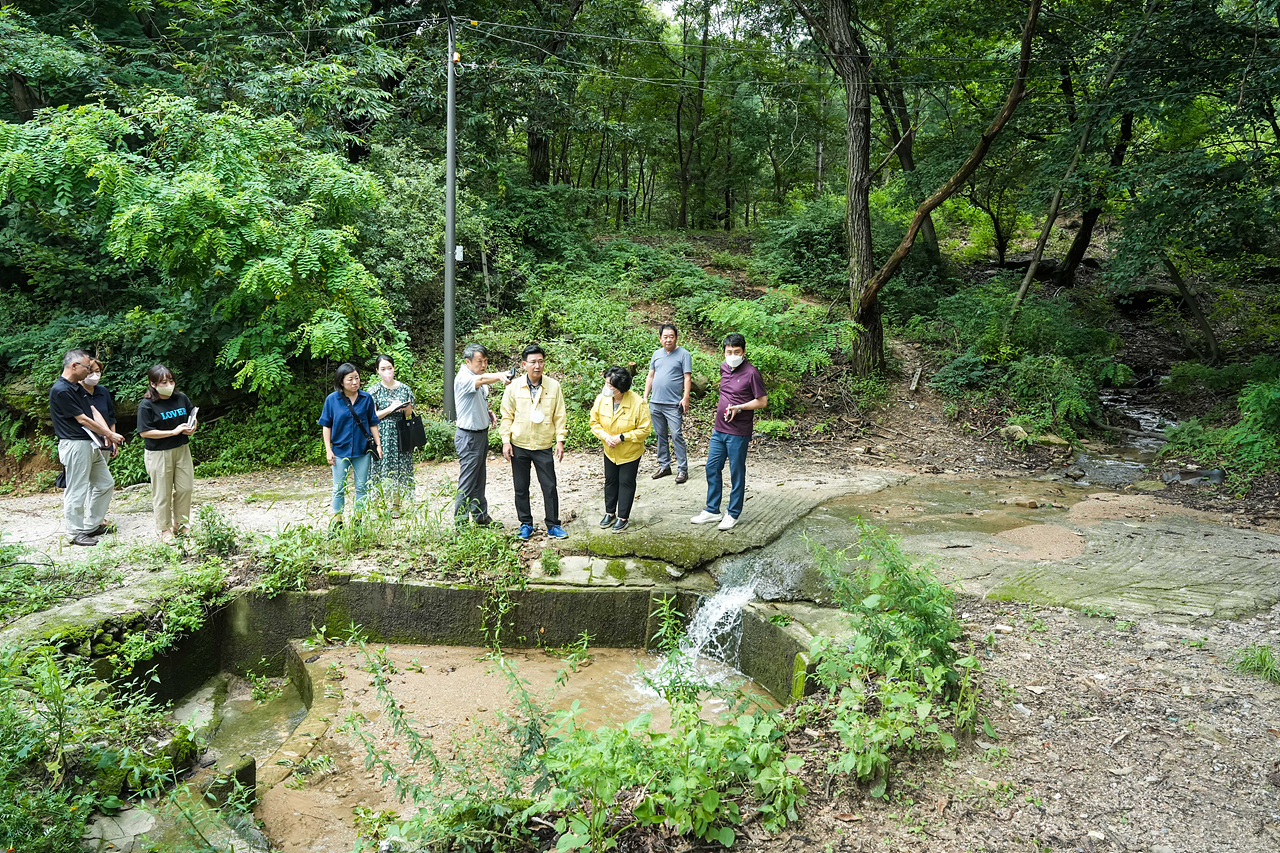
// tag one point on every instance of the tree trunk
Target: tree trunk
(538, 154)
(849, 56)
(1089, 219)
(1193, 305)
(537, 143)
(26, 100)
(1054, 203)
(966, 170)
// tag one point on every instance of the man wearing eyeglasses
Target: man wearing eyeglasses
(89, 480)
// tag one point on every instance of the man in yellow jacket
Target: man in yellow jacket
(620, 418)
(533, 420)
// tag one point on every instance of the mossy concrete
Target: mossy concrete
(660, 528)
(775, 656)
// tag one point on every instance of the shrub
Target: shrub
(774, 428)
(439, 446)
(898, 684)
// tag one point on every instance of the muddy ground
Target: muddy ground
(1109, 736)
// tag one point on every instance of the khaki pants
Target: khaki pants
(88, 481)
(172, 479)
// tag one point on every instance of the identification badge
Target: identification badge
(537, 417)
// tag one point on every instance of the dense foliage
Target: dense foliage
(251, 192)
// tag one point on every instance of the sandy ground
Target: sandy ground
(454, 697)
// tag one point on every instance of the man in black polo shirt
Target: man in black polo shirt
(88, 478)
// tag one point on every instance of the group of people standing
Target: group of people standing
(534, 424)
(361, 430)
(84, 421)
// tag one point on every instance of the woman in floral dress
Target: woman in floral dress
(392, 475)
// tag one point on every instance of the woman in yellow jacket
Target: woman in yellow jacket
(620, 418)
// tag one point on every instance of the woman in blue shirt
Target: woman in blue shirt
(349, 424)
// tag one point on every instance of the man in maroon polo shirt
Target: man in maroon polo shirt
(741, 393)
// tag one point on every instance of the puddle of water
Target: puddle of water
(614, 689)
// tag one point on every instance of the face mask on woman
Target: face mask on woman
(165, 391)
(607, 391)
(92, 379)
(733, 361)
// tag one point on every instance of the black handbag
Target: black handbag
(370, 446)
(413, 434)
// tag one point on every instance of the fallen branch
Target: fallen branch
(1137, 433)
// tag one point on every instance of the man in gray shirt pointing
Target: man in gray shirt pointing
(667, 390)
(471, 440)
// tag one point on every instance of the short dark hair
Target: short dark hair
(72, 355)
(344, 370)
(381, 357)
(672, 326)
(733, 339)
(619, 378)
(157, 374)
(532, 349)
(472, 350)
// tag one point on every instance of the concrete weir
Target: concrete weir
(615, 616)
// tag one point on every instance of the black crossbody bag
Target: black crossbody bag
(370, 446)
(413, 434)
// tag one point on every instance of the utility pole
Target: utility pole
(450, 193)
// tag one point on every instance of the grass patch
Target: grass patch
(1258, 660)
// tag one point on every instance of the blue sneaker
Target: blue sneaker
(555, 531)
(526, 530)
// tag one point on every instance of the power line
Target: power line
(803, 54)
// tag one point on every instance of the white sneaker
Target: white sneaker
(704, 516)
(727, 522)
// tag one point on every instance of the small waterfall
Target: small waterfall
(715, 633)
(716, 628)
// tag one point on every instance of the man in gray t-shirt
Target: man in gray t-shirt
(471, 439)
(667, 390)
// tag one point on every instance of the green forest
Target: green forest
(1048, 198)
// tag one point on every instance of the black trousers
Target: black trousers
(620, 487)
(544, 463)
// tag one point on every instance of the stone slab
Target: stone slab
(660, 528)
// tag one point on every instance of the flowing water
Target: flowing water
(1126, 460)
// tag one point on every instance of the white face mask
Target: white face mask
(165, 391)
(92, 379)
(733, 361)
(607, 391)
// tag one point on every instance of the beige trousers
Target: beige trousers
(89, 481)
(172, 479)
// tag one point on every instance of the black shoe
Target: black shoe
(682, 477)
(620, 525)
(661, 472)
(86, 540)
(608, 520)
(335, 527)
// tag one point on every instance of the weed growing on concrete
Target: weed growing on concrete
(898, 684)
(198, 589)
(71, 745)
(31, 582)
(264, 688)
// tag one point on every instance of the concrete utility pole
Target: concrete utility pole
(450, 192)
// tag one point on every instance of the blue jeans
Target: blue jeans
(734, 448)
(359, 466)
